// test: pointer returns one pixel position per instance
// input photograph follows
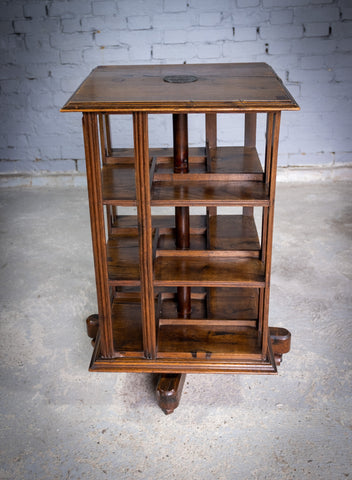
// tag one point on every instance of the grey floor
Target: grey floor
(60, 422)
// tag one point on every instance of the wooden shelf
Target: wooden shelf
(226, 235)
(242, 162)
(118, 173)
(233, 303)
(197, 336)
(209, 271)
(127, 327)
(222, 325)
(231, 176)
(119, 186)
(221, 164)
(123, 260)
(236, 233)
(205, 342)
(203, 186)
(209, 193)
(216, 306)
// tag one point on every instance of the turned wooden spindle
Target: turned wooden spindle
(180, 130)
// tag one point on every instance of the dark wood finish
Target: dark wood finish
(209, 193)
(127, 326)
(182, 293)
(119, 185)
(205, 342)
(180, 134)
(123, 259)
(169, 390)
(259, 366)
(269, 218)
(180, 131)
(213, 271)
(182, 228)
(250, 134)
(170, 385)
(92, 323)
(220, 88)
(211, 150)
(220, 164)
(250, 129)
(280, 341)
(140, 132)
(217, 307)
(237, 233)
(95, 197)
(222, 236)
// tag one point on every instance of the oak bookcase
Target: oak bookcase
(182, 292)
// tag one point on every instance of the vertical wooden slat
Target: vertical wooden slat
(274, 154)
(107, 135)
(105, 138)
(210, 129)
(269, 146)
(264, 234)
(140, 132)
(211, 142)
(108, 149)
(272, 187)
(260, 310)
(102, 137)
(96, 209)
(110, 210)
(267, 176)
(250, 137)
(180, 134)
(271, 160)
(181, 165)
(250, 129)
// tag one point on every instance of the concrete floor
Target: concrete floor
(61, 422)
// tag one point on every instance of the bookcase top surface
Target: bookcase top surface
(227, 87)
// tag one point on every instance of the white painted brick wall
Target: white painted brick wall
(139, 22)
(49, 47)
(281, 16)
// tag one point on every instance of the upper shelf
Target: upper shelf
(229, 87)
(202, 186)
(222, 164)
(119, 186)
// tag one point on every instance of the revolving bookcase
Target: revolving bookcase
(182, 284)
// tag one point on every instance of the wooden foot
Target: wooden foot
(280, 342)
(92, 327)
(169, 390)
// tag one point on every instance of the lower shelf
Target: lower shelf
(220, 335)
(127, 329)
(209, 342)
(222, 325)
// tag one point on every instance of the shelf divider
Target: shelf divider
(96, 209)
(140, 133)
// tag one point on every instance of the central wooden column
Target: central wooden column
(169, 388)
(180, 130)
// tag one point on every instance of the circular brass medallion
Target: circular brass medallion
(180, 78)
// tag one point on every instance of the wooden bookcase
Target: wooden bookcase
(182, 292)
